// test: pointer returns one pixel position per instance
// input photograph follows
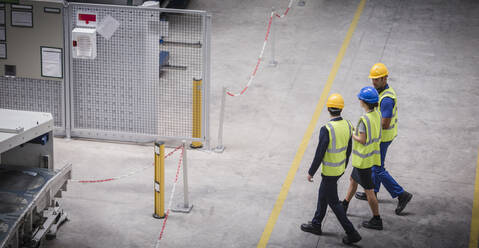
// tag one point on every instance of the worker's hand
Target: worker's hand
(310, 178)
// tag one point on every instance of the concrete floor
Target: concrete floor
(431, 49)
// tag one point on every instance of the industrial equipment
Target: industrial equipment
(174, 4)
(29, 182)
(84, 43)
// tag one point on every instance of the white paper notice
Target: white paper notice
(52, 62)
(107, 27)
(22, 18)
(85, 48)
(2, 33)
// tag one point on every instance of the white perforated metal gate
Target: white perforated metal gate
(34, 95)
(128, 92)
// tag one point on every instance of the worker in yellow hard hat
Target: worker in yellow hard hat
(388, 106)
(332, 153)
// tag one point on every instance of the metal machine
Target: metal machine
(29, 183)
(174, 4)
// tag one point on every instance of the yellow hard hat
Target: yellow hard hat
(378, 70)
(335, 101)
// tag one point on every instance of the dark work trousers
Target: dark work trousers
(328, 195)
(381, 176)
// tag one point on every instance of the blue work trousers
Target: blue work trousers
(381, 175)
(328, 195)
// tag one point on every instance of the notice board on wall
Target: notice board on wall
(26, 31)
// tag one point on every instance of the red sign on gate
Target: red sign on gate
(86, 19)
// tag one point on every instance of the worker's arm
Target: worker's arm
(320, 151)
(360, 135)
(385, 122)
(348, 150)
(387, 106)
(361, 138)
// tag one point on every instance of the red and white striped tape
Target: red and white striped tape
(260, 58)
(170, 200)
(122, 176)
(144, 168)
(286, 11)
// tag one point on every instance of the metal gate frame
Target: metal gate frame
(134, 137)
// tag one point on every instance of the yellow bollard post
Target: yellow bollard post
(197, 85)
(159, 180)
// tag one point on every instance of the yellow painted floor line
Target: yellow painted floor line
(309, 131)
(475, 211)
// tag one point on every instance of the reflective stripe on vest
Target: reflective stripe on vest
(367, 155)
(391, 132)
(333, 135)
(334, 159)
(369, 139)
(334, 164)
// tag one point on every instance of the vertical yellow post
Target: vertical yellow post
(159, 180)
(474, 237)
(197, 85)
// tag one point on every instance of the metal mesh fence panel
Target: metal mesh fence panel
(184, 45)
(116, 91)
(33, 95)
(129, 87)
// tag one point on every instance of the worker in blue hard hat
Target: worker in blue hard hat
(332, 154)
(388, 107)
(366, 154)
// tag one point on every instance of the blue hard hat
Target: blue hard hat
(369, 94)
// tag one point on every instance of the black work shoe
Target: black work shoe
(311, 228)
(362, 196)
(374, 223)
(352, 238)
(403, 200)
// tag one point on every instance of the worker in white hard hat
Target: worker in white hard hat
(388, 106)
(332, 153)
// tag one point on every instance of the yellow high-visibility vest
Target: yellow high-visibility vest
(390, 133)
(334, 160)
(367, 155)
